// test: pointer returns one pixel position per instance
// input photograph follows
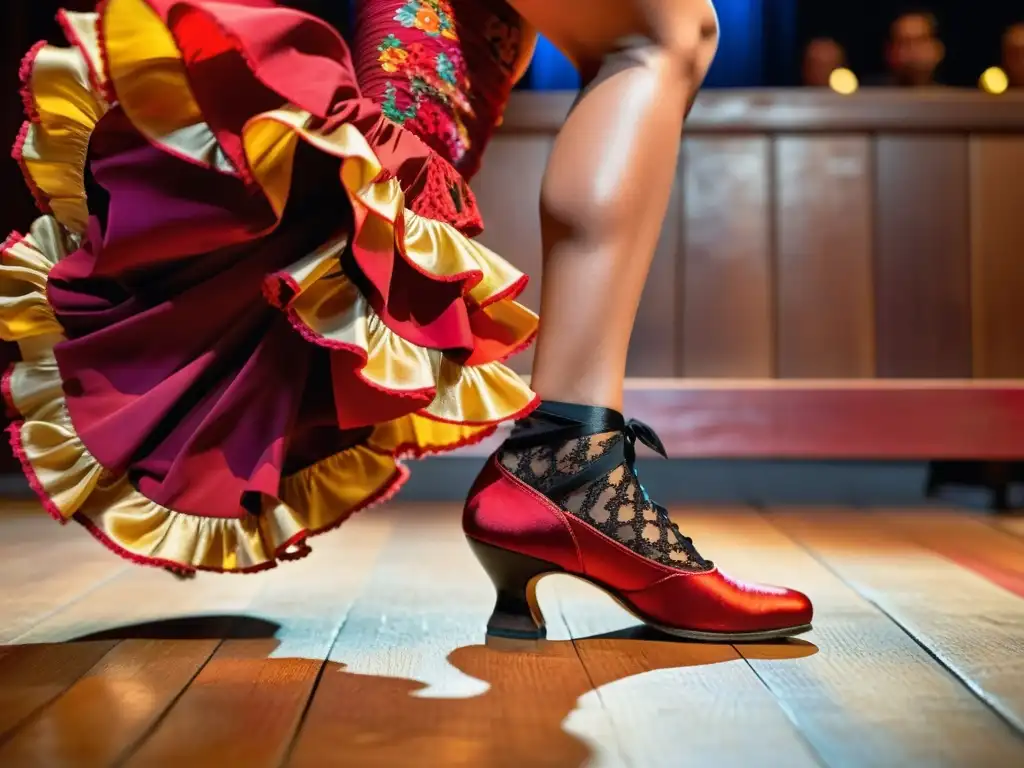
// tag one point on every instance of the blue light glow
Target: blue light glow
(741, 53)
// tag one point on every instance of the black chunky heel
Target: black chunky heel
(517, 614)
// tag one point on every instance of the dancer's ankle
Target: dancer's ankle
(582, 394)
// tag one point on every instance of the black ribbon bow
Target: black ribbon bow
(635, 431)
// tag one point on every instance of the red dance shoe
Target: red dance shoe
(562, 496)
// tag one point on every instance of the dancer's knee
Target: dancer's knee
(684, 36)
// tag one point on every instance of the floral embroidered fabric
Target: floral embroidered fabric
(440, 68)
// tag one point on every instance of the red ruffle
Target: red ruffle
(269, 56)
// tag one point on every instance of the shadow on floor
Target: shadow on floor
(371, 720)
(190, 628)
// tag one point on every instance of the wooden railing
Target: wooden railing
(842, 244)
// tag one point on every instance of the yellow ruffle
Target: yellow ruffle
(434, 247)
(64, 108)
(73, 484)
(146, 68)
(333, 310)
(24, 311)
(147, 72)
(416, 435)
(66, 90)
(76, 485)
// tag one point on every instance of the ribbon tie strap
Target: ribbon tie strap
(636, 430)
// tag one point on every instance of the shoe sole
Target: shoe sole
(517, 614)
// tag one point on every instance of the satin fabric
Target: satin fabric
(232, 320)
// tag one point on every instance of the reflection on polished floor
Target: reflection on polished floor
(370, 652)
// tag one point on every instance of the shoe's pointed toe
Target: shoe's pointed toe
(714, 605)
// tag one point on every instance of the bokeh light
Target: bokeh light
(994, 80)
(843, 81)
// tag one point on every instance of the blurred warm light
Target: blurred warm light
(843, 81)
(993, 80)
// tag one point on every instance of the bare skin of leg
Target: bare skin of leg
(606, 189)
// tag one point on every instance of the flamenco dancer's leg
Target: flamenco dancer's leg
(604, 199)
(609, 177)
(235, 316)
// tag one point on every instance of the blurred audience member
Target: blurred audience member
(1013, 55)
(914, 51)
(822, 57)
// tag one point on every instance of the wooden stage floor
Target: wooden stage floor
(370, 653)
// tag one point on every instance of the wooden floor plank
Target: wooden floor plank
(968, 540)
(52, 567)
(31, 676)
(1013, 524)
(410, 680)
(246, 704)
(143, 598)
(138, 602)
(397, 604)
(111, 707)
(870, 695)
(972, 626)
(649, 686)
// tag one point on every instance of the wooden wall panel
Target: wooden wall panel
(922, 265)
(997, 255)
(726, 276)
(508, 192)
(828, 419)
(824, 300)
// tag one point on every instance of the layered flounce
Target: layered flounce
(243, 306)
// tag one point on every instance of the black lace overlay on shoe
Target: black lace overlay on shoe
(594, 478)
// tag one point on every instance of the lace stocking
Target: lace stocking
(616, 503)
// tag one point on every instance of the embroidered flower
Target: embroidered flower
(390, 107)
(432, 97)
(445, 68)
(428, 21)
(392, 55)
(433, 17)
(419, 59)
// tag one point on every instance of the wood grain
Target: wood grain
(824, 273)
(1012, 525)
(508, 192)
(397, 605)
(836, 419)
(31, 676)
(997, 242)
(412, 655)
(27, 558)
(245, 706)
(100, 717)
(637, 676)
(948, 609)
(140, 599)
(871, 695)
(969, 541)
(727, 291)
(922, 262)
(741, 111)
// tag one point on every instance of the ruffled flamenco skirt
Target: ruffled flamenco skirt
(249, 296)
